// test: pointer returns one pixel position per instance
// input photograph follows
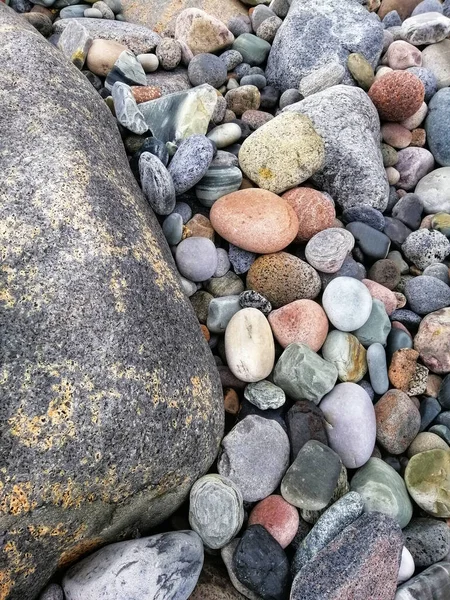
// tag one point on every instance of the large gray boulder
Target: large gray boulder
(318, 32)
(348, 122)
(111, 404)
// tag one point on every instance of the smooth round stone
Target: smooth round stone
(434, 190)
(441, 222)
(364, 213)
(225, 135)
(282, 153)
(373, 243)
(217, 182)
(345, 352)
(301, 321)
(396, 340)
(383, 490)
(149, 62)
(102, 55)
(256, 118)
(334, 520)
(261, 565)
(93, 13)
(220, 311)
(437, 126)
(427, 28)
(377, 327)
(327, 250)
(376, 363)
(254, 50)
(427, 6)
(278, 517)
(243, 98)
(184, 210)
(283, 278)
(255, 220)
(347, 303)
(191, 162)
(200, 303)
(310, 481)
(427, 294)
(396, 135)
(402, 368)
(196, 258)
(249, 345)
(73, 12)
(303, 374)
(426, 441)
(207, 68)
(436, 58)
(390, 158)
(398, 421)
(231, 58)
(361, 70)
(157, 184)
(350, 423)
(385, 272)
(265, 395)
(268, 28)
(216, 510)
(314, 210)
(391, 19)
(428, 541)
(252, 299)
(172, 228)
(425, 248)
(401, 55)
(407, 566)
(189, 287)
(397, 95)
(427, 477)
(228, 285)
(255, 456)
(258, 81)
(289, 97)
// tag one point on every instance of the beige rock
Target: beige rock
(282, 153)
(436, 57)
(249, 345)
(433, 341)
(102, 55)
(202, 32)
(426, 441)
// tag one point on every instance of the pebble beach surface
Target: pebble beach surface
(297, 157)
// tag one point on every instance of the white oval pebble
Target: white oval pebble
(347, 302)
(407, 566)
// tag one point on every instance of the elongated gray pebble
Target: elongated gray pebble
(191, 162)
(157, 184)
(127, 111)
(376, 362)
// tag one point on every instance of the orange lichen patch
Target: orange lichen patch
(42, 531)
(18, 501)
(74, 553)
(205, 332)
(5, 584)
(266, 173)
(19, 562)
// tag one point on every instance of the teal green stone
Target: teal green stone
(254, 50)
(376, 328)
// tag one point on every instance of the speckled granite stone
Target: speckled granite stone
(111, 393)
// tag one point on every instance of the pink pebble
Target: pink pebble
(401, 55)
(277, 516)
(382, 293)
(302, 321)
(426, 222)
(416, 119)
(396, 135)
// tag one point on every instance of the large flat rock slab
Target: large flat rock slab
(111, 404)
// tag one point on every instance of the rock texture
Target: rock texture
(315, 34)
(78, 232)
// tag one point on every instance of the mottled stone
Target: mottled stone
(350, 423)
(255, 456)
(397, 95)
(301, 321)
(278, 517)
(303, 374)
(413, 164)
(126, 109)
(252, 299)
(167, 564)
(226, 285)
(365, 214)
(353, 171)
(424, 247)
(216, 510)
(428, 541)
(265, 395)
(383, 490)
(243, 98)
(314, 210)
(191, 162)
(427, 294)
(157, 183)
(402, 366)
(427, 478)
(201, 31)
(398, 421)
(52, 592)
(347, 354)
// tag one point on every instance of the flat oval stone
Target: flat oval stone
(301, 321)
(383, 490)
(216, 510)
(364, 213)
(347, 302)
(249, 345)
(376, 363)
(372, 242)
(427, 28)
(157, 184)
(350, 423)
(327, 250)
(424, 441)
(428, 541)
(280, 518)
(217, 182)
(427, 477)
(398, 421)
(255, 220)
(345, 352)
(310, 481)
(196, 258)
(255, 456)
(225, 135)
(191, 162)
(434, 189)
(427, 294)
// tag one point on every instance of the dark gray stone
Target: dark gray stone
(442, 431)
(373, 243)
(258, 81)
(350, 268)
(305, 421)
(166, 565)
(392, 19)
(444, 393)
(231, 58)
(52, 592)
(345, 118)
(315, 33)
(22, 6)
(191, 162)
(362, 561)
(428, 540)
(261, 565)
(437, 126)
(207, 68)
(240, 259)
(426, 294)
(365, 214)
(157, 184)
(406, 317)
(396, 231)
(97, 335)
(429, 409)
(409, 210)
(433, 583)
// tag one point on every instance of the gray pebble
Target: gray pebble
(207, 68)
(52, 592)
(189, 287)
(157, 184)
(104, 9)
(184, 210)
(426, 294)
(428, 79)
(126, 109)
(428, 540)
(191, 161)
(265, 395)
(168, 52)
(258, 81)
(376, 362)
(327, 76)
(377, 327)
(227, 285)
(231, 58)
(365, 214)
(196, 258)
(172, 228)
(223, 263)
(220, 311)
(440, 271)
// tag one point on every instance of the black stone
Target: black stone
(372, 242)
(274, 414)
(305, 421)
(269, 98)
(113, 406)
(396, 231)
(429, 410)
(443, 418)
(245, 129)
(261, 565)
(364, 213)
(397, 339)
(444, 392)
(428, 540)
(155, 147)
(409, 211)
(93, 79)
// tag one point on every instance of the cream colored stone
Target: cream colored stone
(102, 55)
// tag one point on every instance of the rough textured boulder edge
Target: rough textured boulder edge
(111, 403)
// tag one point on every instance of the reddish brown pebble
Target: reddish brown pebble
(256, 118)
(255, 220)
(302, 321)
(198, 226)
(403, 368)
(386, 296)
(205, 332)
(145, 93)
(418, 138)
(277, 516)
(398, 421)
(315, 212)
(231, 401)
(396, 135)
(397, 95)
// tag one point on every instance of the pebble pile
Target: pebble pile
(302, 182)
